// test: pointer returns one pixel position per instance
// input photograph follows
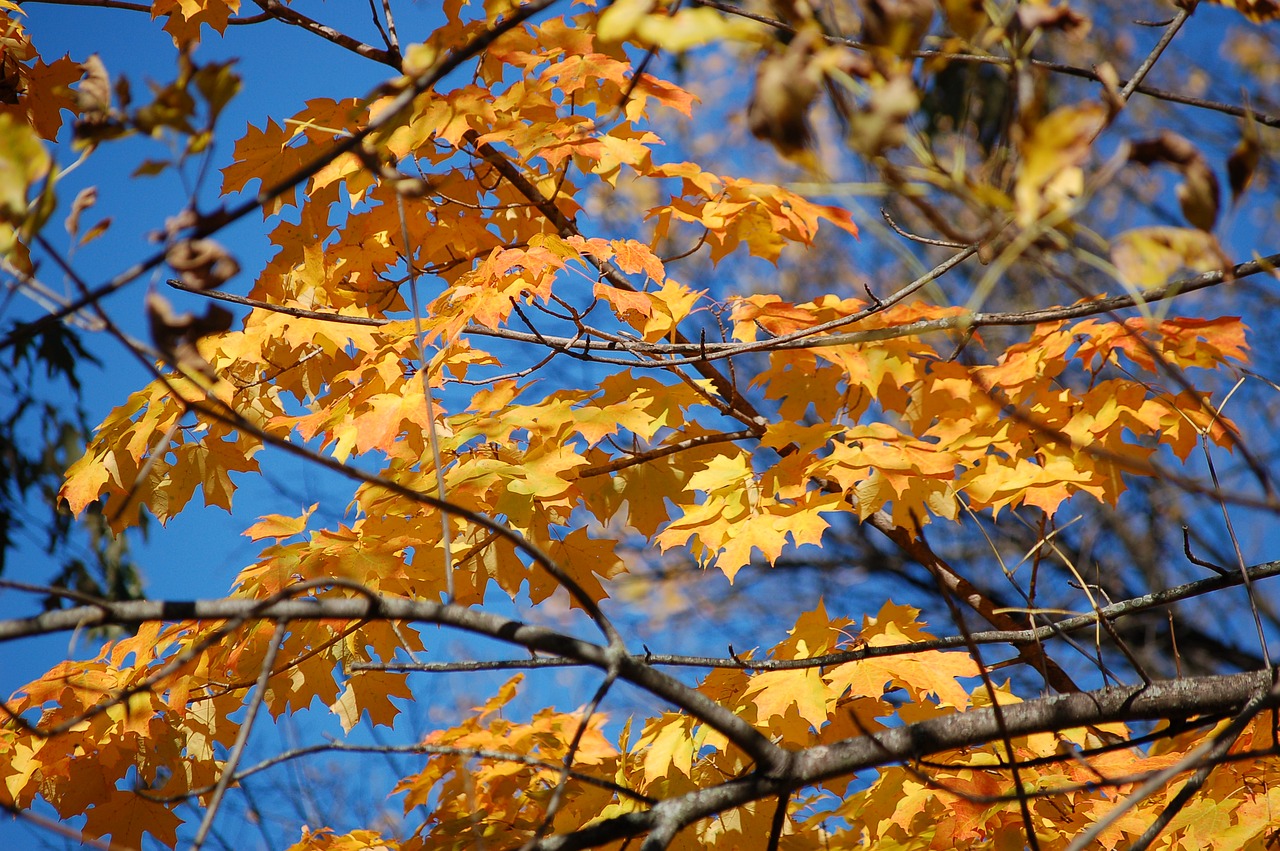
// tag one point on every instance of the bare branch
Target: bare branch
(986, 59)
(438, 750)
(288, 15)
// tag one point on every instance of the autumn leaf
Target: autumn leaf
(279, 526)
(126, 816)
(1148, 257)
(370, 692)
(1258, 11)
(1049, 173)
(595, 408)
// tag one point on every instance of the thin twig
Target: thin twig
(1153, 56)
(1005, 61)
(436, 750)
(288, 15)
(242, 736)
(663, 451)
(433, 433)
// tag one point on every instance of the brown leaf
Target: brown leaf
(898, 25)
(966, 18)
(881, 123)
(202, 263)
(1168, 148)
(96, 231)
(93, 95)
(1243, 161)
(1258, 11)
(1037, 17)
(85, 199)
(1110, 87)
(1198, 193)
(176, 335)
(786, 84)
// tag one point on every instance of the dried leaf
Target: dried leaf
(1041, 16)
(967, 18)
(881, 124)
(786, 85)
(1242, 164)
(93, 95)
(1198, 192)
(1258, 11)
(176, 334)
(85, 199)
(202, 263)
(897, 26)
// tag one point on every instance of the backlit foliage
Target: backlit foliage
(592, 394)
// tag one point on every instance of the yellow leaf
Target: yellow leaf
(371, 691)
(279, 526)
(723, 471)
(1148, 257)
(23, 162)
(776, 692)
(667, 744)
(620, 20)
(693, 26)
(1048, 174)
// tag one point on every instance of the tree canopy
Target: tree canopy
(924, 351)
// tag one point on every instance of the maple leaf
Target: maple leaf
(325, 839)
(263, 155)
(186, 16)
(371, 692)
(48, 94)
(126, 816)
(668, 745)
(775, 693)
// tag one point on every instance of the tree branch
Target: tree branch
(430, 750)
(1162, 700)
(808, 338)
(1004, 61)
(283, 13)
(375, 607)
(134, 7)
